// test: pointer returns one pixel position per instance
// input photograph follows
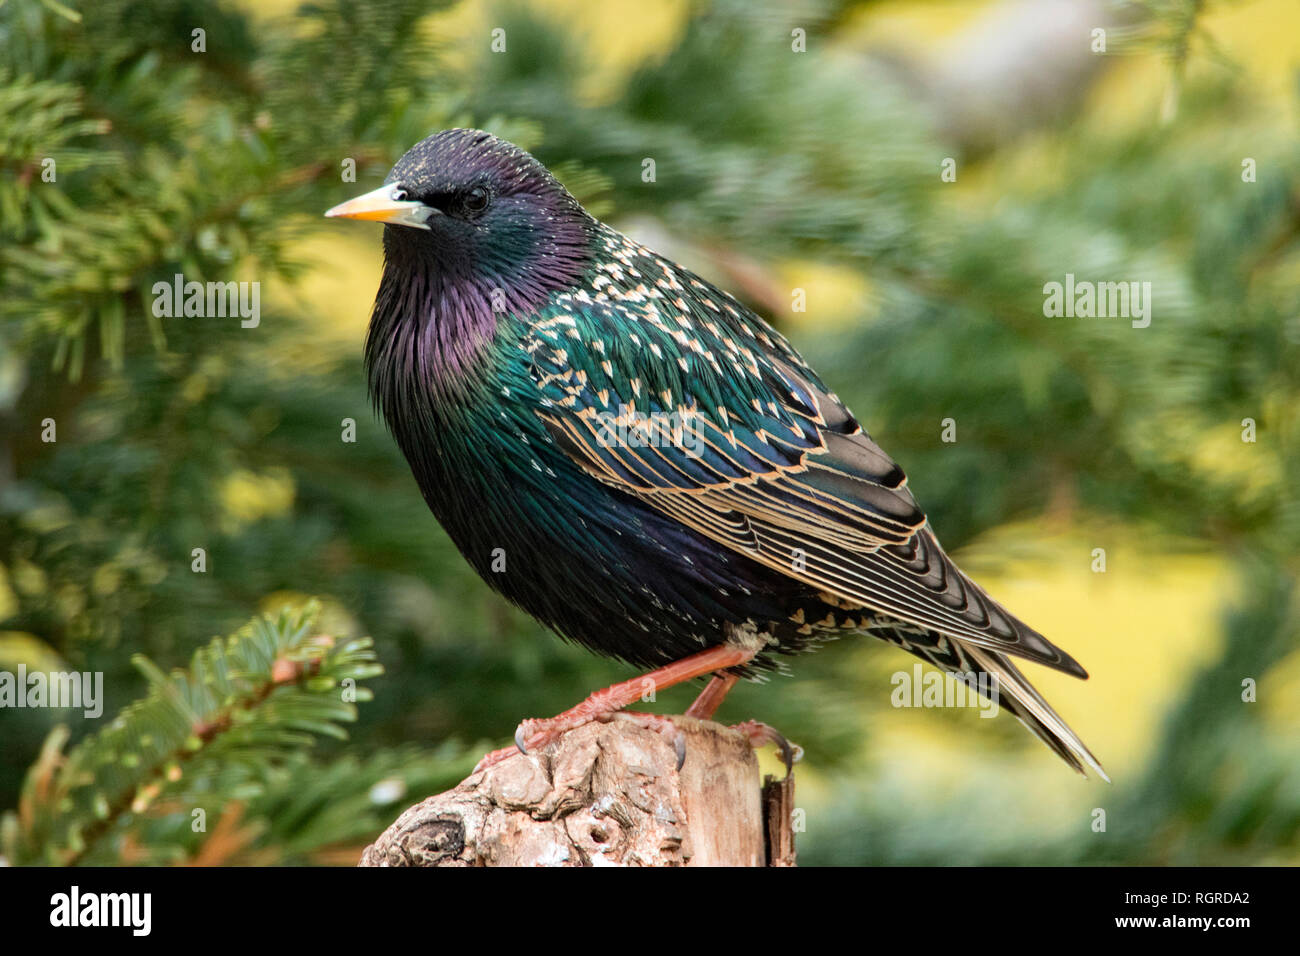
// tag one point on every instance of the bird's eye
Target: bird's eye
(476, 200)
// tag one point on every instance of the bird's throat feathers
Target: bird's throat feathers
(438, 311)
(427, 333)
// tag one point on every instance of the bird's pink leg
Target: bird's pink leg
(533, 734)
(758, 734)
(710, 699)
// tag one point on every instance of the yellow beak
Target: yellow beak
(383, 205)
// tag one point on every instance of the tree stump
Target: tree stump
(606, 794)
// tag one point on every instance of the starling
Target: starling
(639, 461)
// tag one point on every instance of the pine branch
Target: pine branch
(269, 688)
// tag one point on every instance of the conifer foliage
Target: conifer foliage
(763, 146)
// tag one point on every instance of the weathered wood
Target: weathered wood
(604, 794)
(778, 819)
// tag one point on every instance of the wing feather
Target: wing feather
(764, 460)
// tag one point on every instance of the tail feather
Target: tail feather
(1013, 690)
(1019, 696)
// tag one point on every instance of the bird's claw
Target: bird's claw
(791, 753)
(679, 747)
(492, 758)
(760, 734)
(659, 724)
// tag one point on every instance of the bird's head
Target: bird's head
(480, 214)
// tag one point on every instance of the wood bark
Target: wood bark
(606, 794)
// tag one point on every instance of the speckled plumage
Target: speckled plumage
(509, 344)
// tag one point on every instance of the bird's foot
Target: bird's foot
(760, 735)
(494, 757)
(536, 734)
(602, 705)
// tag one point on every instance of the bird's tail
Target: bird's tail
(1017, 695)
(1013, 690)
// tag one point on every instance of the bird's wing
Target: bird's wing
(697, 407)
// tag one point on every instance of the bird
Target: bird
(644, 464)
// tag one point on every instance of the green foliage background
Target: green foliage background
(773, 170)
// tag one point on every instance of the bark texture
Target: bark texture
(606, 794)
